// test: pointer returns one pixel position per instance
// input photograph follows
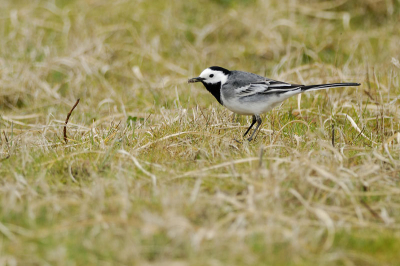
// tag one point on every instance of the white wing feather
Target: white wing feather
(267, 87)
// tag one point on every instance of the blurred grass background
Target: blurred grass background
(152, 174)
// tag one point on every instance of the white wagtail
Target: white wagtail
(250, 94)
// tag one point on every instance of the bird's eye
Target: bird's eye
(211, 75)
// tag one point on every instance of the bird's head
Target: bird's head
(212, 75)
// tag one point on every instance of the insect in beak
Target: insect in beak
(198, 79)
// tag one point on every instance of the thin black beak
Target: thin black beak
(193, 80)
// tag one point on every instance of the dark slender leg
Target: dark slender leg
(259, 121)
(252, 124)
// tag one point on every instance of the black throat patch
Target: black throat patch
(214, 89)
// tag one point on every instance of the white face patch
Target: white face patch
(213, 76)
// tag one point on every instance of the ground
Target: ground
(155, 172)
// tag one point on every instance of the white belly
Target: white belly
(263, 105)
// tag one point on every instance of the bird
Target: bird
(246, 93)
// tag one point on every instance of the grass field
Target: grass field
(153, 174)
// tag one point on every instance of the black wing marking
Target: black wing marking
(268, 87)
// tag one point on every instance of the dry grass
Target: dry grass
(152, 173)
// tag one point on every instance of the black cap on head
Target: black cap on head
(217, 68)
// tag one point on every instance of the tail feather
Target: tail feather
(326, 86)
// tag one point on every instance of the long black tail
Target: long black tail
(326, 86)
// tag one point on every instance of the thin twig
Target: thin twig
(362, 131)
(207, 120)
(368, 82)
(5, 136)
(370, 96)
(333, 135)
(374, 213)
(66, 120)
(8, 147)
